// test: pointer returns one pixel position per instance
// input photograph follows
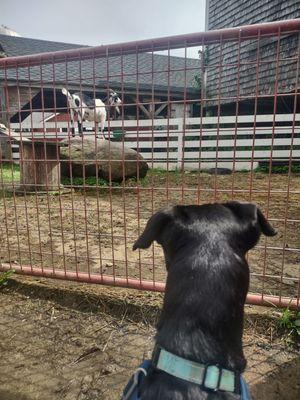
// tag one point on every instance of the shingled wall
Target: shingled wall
(233, 80)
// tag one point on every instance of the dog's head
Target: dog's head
(238, 224)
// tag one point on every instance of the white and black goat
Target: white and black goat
(88, 109)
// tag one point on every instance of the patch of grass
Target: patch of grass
(89, 181)
(161, 171)
(155, 173)
(279, 169)
(4, 277)
(10, 173)
(289, 322)
(6, 194)
(158, 174)
(54, 193)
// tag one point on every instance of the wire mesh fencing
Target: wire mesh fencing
(190, 119)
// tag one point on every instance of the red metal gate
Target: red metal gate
(194, 106)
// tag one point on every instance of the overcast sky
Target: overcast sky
(95, 22)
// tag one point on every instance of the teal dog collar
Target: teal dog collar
(211, 377)
(133, 387)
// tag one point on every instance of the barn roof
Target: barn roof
(20, 46)
(143, 70)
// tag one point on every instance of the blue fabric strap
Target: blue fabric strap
(245, 394)
(131, 391)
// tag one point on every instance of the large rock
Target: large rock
(108, 157)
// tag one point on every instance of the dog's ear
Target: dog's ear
(266, 228)
(153, 229)
(250, 213)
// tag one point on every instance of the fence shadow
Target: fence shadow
(136, 307)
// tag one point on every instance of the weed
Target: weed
(54, 193)
(4, 277)
(290, 323)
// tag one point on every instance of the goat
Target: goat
(88, 109)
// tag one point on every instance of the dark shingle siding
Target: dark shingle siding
(244, 12)
(238, 13)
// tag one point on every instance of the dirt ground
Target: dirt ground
(70, 341)
(63, 340)
(93, 230)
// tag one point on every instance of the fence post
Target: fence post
(180, 143)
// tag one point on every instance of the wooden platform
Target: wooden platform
(40, 164)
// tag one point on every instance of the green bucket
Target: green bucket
(118, 135)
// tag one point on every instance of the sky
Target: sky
(96, 22)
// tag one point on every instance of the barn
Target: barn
(148, 83)
(231, 71)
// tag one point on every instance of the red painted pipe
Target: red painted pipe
(85, 277)
(158, 44)
(255, 299)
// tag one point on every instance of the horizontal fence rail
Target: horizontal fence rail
(182, 145)
(158, 44)
(205, 117)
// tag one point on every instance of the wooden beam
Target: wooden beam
(160, 108)
(145, 111)
(143, 108)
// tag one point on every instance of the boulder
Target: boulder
(106, 156)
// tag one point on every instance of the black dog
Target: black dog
(207, 284)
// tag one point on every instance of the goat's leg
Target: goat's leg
(79, 128)
(102, 122)
(80, 123)
(72, 121)
(97, 130)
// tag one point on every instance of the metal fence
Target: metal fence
(179, 146)
(59, 219)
